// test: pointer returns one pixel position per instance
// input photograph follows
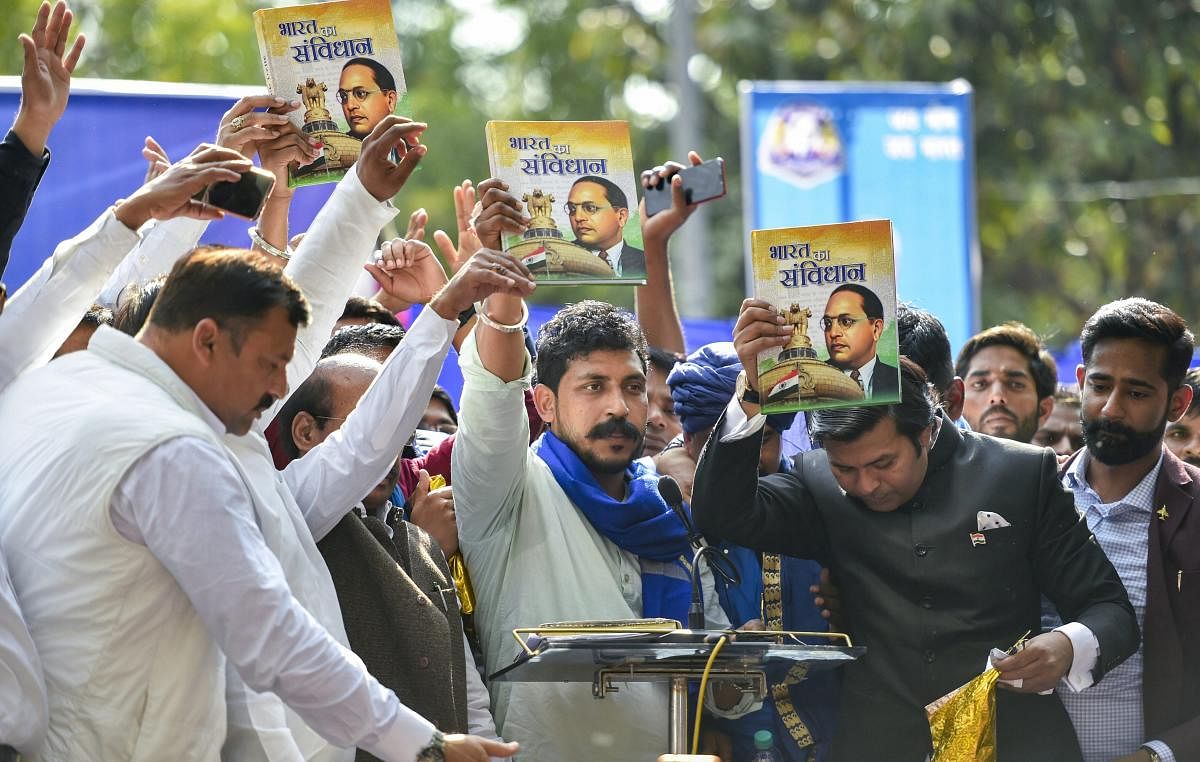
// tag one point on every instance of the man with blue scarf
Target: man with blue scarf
(775, 590)
(571, 527)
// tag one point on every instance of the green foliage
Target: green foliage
(1078, 106)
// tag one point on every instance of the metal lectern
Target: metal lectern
(602, 653)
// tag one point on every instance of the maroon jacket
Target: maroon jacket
(1171, 630)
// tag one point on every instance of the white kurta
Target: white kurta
(535, 558)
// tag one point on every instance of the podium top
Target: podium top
(655, 655)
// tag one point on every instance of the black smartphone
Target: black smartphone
(703, 182)
(244, 197)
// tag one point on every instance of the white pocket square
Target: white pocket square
(988, 520)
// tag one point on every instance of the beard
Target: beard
(1115, 444)
(1026, 427)
(613, 465)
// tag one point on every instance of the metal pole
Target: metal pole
(677, 715)
(689, 246)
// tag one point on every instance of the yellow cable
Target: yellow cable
(712, 657)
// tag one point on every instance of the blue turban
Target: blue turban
(703, 384)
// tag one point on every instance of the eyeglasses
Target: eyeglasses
(441, 428)
(360, 94)
(588, 208)
(845, 322)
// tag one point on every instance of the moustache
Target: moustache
(266, 402)
(615, 427)
(998, 409)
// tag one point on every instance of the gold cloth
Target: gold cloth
(963, 722)
(458, 567)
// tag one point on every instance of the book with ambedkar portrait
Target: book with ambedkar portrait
(577, 183)
(341, 60)
(835, 285)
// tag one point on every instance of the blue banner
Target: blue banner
(821, 152)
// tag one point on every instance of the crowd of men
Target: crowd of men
(239, 521)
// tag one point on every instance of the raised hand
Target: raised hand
(434, 512)
(462, 748)
(468, 239)
(156, 159)
(170, 194)
(660, 227)
(290, 146)
(243, 129)
(407, 271)
(487, 272)
(382, 177)
(501, 214)
(759, 327)
(46, 76)
(416, 225)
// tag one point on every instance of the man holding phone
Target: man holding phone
(598, 210)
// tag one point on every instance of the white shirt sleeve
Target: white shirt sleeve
(736, 425)
(326, 267)
(23, 710)
(44, 311)
(1086, 652)
(216, 553)
(343, 469)
(162, 244)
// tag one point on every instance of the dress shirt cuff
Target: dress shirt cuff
(1087, 652)
(403, 739)
(737, 425)
(1162, 750)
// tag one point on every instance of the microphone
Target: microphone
(668, 489)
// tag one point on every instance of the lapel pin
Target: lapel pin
(1162, 513)
(977, 538)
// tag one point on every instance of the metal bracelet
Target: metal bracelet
(267, 246)
(482, 315)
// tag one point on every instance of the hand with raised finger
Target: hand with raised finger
(46, 75)
(501, 214)
(382, 177)
(759, 327)
(407, 271)
(468, 238)
(462, 748)
(1039, 666)
(487, 272)
(661, 226)
(156, 159)
(171, 193)
(292, 146)
(242, 128)
(416, 225)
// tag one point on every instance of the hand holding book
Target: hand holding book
(382, 177)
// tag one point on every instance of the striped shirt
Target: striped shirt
(1108, 715)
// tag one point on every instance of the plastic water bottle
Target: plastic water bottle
(764, 747)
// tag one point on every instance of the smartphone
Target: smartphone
(703, 182)
(244, 197)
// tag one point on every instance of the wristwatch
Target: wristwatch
(743, 391)
(435, 751)
(1153, 754)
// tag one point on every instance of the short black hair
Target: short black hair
(923, 340)
(312, 397)
(362, 308)
(1148, 321)
(580, 329)
(872, 307)
(612, 191)
(375, 340)
(234, 287)
(134, 303)
(662, 359)
(912, 414)
(1192, 379)
(1020, 337)
(383, 77)
(443, 396)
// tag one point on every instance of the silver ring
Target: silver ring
(497, 267)
(238, 122)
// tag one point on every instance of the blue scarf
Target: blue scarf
(642, 524)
